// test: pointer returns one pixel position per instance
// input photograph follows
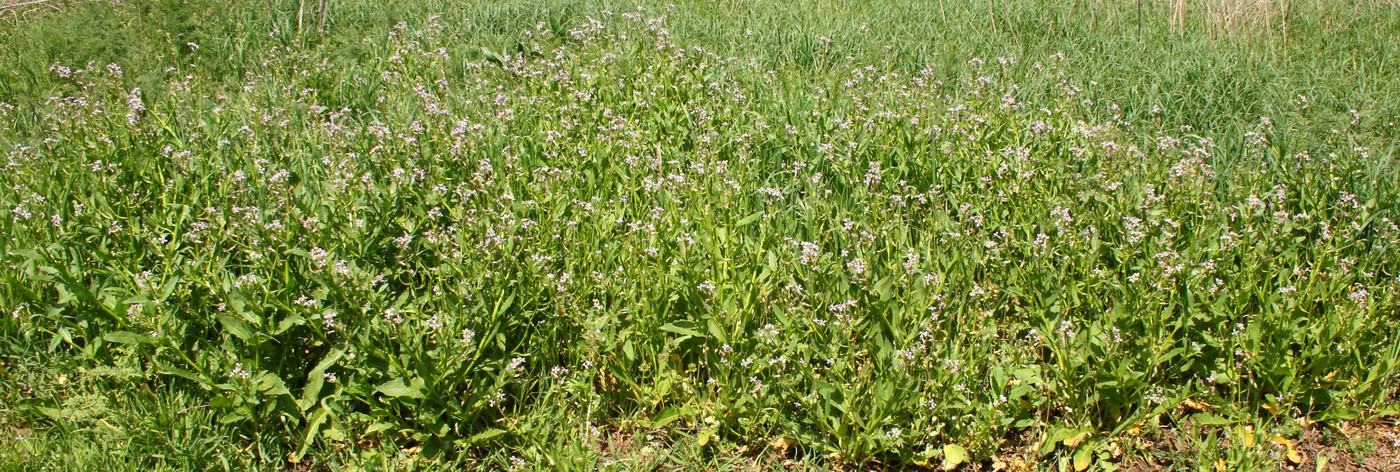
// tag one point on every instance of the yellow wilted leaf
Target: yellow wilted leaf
(1195, 405)
(953, 455)
(1073, 441)
(1220, 465)
(1083, 458)
(783, 444)
(1293, 455)
(1247, 436)
(1272, 409)
(1330, 376)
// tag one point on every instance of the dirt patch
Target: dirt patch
(1373, 447)
(1349, 448)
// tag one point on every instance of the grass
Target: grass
(591, 235)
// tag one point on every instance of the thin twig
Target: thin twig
(191, 408)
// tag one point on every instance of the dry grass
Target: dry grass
(1231, 18)
(20, 11)
(1253, 18)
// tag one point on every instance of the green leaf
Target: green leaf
(485, 435)
(53, 413)
(288, 322)
(316, 378)
(221, 402)
(1387, 411)
(716, 330)
(666, 417)
(885, 288)
(1020, 391)
(629, 350)
(270, 384)
(178, 372)
(1030, 376)
(377, 427)
(397, 388)
(1340, 413)
(167, 289)
(1210, 419)
(491, 55)
(127, 337)
(1082, 458)
(308, 436)
(503, 305)
(683, 327)
(236, 327)
(333, 433)
(1055, 437)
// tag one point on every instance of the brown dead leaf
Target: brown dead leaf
(783, 444)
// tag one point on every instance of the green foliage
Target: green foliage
(529, 228)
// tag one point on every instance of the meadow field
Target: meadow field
(700, 235)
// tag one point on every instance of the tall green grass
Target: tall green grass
(518, 235)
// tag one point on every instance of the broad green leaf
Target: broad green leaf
(236, 327)
(398, 388)
(317, 377)
(270, 384)
(684, 327)
(665, 417)
(1210, 419)
(127, 337)
(289, 322)
(1340, 413)
(308, 435)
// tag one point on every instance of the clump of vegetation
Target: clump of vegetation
(523, 253)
